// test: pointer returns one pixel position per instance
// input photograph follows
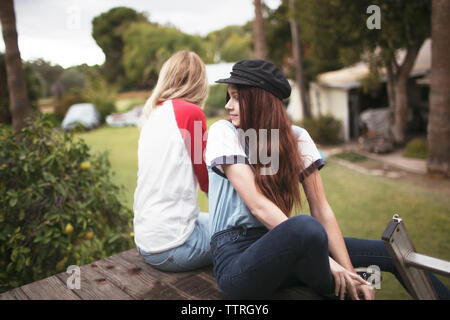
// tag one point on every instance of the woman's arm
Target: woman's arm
(341, 266)
(242, 178)
(321, 210)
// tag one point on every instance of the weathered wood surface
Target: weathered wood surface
(126, 276)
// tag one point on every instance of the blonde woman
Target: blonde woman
(171, 233)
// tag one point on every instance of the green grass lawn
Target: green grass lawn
(363, 204)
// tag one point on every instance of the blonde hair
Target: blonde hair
(182, 76)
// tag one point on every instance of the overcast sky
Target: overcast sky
(59, 31)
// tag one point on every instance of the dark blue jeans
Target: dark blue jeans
(254, 263)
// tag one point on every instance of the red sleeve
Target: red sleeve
(191, 119)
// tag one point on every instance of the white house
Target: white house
(338, 93)
(218, 71)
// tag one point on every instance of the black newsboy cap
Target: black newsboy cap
(261, 74)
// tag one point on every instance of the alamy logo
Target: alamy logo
(375, 276)
(73, 21)
(258, 150)
(374, 21)
(257, 143)
(371, 274)
(74, 280)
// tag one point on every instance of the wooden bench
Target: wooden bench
(126, 276)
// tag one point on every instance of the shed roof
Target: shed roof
(350, 77)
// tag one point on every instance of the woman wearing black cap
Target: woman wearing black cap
(255, 161)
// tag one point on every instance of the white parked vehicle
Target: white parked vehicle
(129, 118)
(84, 114)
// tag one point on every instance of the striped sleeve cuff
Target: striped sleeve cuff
(233, 159)
(318, 164)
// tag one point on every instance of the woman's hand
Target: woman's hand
(346, 280)
(365, 292)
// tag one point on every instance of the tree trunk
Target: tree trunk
(18, 100)
(390, 84)
(401, 93)
(258, 32)
(401, 110)
(439, 114)
(298, 59)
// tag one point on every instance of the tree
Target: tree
(439, 115)
(34, 90)
(236, 48)
(47, 73)
(258, 32)
(319, 53)
(108, 30)
(142, 59)
(19, 104)
(229, 44)
(278, 36)
(298, 60)
(405, 26)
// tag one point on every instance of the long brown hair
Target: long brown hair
(260, 109)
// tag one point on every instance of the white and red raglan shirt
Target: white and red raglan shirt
(170, 169)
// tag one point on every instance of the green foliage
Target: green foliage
(417, 148)
(59, 205)
(324, 129)
(230, 44)
(278, 34)
(236, 48)
(339, 26)
(57, 81)
(33, 85)
(63, 105)
(108, 30)
(51, 118)
(102, 95)
(334, 33)
(47, 73)
(148, 46)
(217, 96)
(96, 90)
(73, 79)
(319, 54)
(371, 83)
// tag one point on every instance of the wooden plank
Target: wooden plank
(51, 288)
(207, 274)
(134, 280)
(133, 257)
(188, 284)
(162, 291)
(165, 281)
(197, 287)
(181, 281)
(124, 276)
(94, 286)
(14, 294)
(127, 276)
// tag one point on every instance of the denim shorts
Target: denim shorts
(194, 253)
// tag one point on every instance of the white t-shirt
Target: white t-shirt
(226, 207)
(165, 201)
